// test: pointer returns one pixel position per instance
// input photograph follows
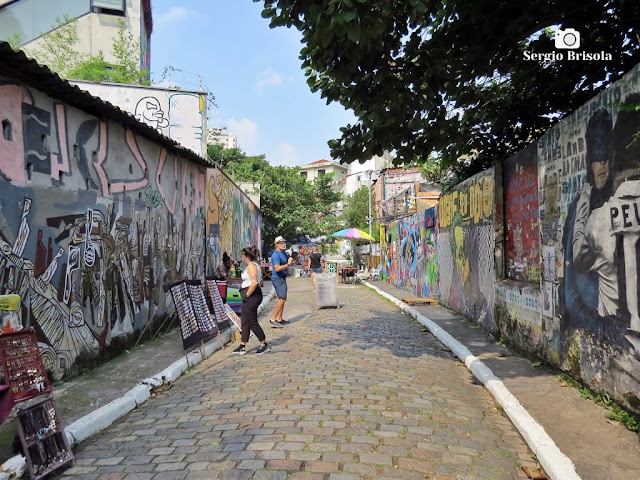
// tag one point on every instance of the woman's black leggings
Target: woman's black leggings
(249, 314)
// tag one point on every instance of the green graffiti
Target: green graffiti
(152, 197)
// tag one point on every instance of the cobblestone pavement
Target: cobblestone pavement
(356, 393)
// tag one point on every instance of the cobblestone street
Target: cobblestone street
(359, 392)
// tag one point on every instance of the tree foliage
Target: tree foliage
(291, 206)
(58, 50)
(224, 157)
(451, 77)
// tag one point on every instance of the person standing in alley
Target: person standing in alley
(251, 294)
(279, 264)
(223, 272)
(315, 264)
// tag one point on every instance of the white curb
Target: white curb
(557, 465)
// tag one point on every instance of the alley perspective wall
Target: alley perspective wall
(96, 220)
(543, 249)
(571, 291)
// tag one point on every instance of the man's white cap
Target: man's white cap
(279, 239)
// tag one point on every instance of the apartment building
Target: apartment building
(220, 136)
(29, 20)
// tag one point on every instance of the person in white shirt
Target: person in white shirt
(251, 294)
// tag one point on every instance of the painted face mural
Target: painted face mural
(600, 171)
(457, 247)
(466, 244)
(149, 111)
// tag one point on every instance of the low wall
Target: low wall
(97, 218)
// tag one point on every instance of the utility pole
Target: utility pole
(370, 245)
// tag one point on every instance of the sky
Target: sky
(254, 73)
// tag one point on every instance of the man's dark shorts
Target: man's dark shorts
(280, 284)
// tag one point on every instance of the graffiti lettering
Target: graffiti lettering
(625, 217)
(474, 204)
(61, 163)
(37, 128)
(149, 111)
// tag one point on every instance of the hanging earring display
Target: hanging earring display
(22, 365)
(43, 439)
(214, 289)
(196, 322)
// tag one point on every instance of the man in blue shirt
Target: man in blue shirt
(279, 264)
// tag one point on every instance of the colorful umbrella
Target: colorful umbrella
(352, 234)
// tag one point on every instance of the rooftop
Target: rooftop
(17, 66)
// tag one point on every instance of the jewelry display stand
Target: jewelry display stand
(217, 294)
(43, 439)
(22, 366)
(196, 321)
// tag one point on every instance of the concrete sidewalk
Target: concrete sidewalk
(599, 449)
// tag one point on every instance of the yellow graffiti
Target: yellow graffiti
(225, 203)
(212, 210)
(534, 272)
(474, 204)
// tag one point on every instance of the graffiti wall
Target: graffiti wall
(410, 253)
(179, 114)
(592, 250)
(518, 300)
(94, 221)
(465, 248)
(397, 180)
(578, 307)
(520, 187)
(232, 220)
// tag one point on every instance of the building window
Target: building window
(304, 174)
(321, 172)
(110, 7)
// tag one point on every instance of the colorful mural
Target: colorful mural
(465, 248)
(409, 256)
(385, 254)
(520, 185)
(561, 229)
(96, 220)
(232, 220)
(91, 255)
